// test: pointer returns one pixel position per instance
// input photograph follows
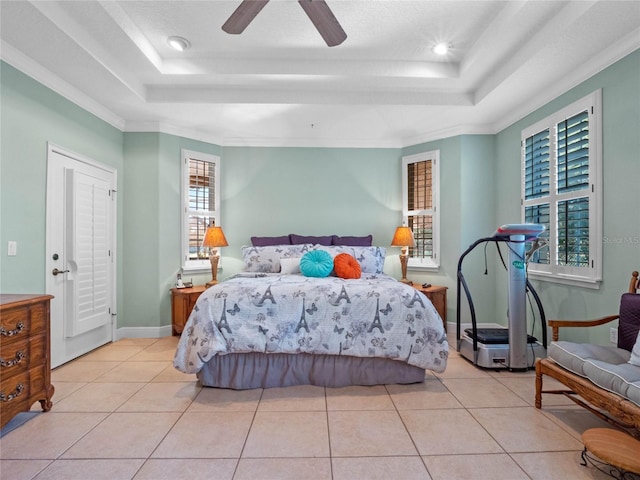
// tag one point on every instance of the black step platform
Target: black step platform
(494, 336)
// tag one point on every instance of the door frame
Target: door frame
(50, 220)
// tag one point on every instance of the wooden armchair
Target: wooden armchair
(609, 406)
(556, 324)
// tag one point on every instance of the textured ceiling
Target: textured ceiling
(279, 84)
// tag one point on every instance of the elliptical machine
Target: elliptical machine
(511, 348)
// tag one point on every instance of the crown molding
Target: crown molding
(606, 58)
(26, 65)
(311, 143)
(447, 133)
(595, 65)
(172, 129)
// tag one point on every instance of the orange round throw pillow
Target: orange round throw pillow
(346, 266)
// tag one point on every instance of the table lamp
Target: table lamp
(403, 238)
(214, 238)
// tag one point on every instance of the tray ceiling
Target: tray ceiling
(279, 84)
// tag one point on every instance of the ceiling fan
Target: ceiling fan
(317, 10)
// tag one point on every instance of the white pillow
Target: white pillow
(289, 266)
(635, 353)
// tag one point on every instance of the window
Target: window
(561, 189)
(420, 193)
(201, 206)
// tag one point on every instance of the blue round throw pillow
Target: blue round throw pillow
(316, 263)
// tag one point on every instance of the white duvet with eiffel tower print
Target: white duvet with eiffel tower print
(374, 316)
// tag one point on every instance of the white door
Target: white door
(80, 253)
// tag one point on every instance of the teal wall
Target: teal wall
(309, 191)
(620, 86)
(467, 202)
(152, 182)
(32, 115)
(312, 191)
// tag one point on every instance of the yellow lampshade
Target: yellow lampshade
(214, 238)
(403, 238)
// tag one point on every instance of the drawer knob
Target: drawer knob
(10, 363)
(12, 395)
(11, 333)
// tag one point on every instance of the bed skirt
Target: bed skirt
(242, 371)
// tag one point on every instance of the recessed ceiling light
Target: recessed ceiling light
(441, 48)
(178, 43)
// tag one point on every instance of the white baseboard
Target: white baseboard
(143, 332)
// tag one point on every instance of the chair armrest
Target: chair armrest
(633, 284)
(556, 324)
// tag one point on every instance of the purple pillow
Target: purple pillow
(629, 321)
(299, 239)
(353, 241)
(268, 241)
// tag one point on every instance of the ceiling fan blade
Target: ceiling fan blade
(324, 20)
(243, 15)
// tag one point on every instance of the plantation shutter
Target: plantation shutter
(573, 176)
(536, 186)
(561, 161)
(420, 206)
(89, 248)
(202, 206)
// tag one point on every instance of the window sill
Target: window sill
(196, 270)
(423, 268)
(566, 280)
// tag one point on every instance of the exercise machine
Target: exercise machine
(511, 348)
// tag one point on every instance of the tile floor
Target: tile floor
(124, 412)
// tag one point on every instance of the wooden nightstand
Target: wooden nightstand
(438, 296)
(182, 302)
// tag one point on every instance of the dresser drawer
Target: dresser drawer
(14, 394)
(23, 321)
(22, 354)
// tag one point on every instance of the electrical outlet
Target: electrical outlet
(12, 248)
(613, 335)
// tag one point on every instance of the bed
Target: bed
(274, 325)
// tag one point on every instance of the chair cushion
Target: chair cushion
(606, 366)
(622, 379)
(629, 323)
(573, 356)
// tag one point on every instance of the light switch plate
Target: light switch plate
(12, 248)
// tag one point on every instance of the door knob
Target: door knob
(56, 271)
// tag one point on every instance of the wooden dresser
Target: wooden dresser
(25, 356)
